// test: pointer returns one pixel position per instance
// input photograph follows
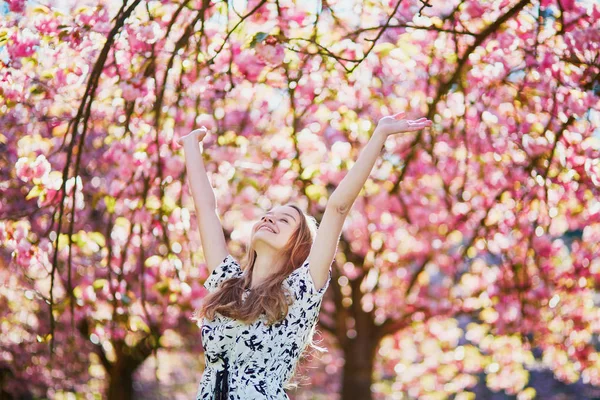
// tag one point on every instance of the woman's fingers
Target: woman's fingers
(419, 125)
(396, 123)
(199, 132)
(413, 125)
(421, 121)
(203, 129)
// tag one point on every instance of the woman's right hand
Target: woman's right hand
(198, 135)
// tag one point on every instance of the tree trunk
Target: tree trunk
(358, 369)
(128, 359)
(358, 337)
(120, 385)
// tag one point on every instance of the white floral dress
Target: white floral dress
(255, 361)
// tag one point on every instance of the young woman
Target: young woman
(257, 319)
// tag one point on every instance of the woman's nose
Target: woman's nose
(267, 217)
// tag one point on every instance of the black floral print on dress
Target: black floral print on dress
(260, 358)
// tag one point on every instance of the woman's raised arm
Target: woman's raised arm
(214, 246)
(341, 200)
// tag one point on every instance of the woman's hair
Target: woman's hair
(269, 296)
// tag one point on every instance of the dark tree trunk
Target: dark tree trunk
(358, 369)
(359, 351)
(357, 335)
(120, 385)
(128, 359)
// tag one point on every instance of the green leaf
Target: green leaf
(47, 74)
(259, 37)
(383, 49)
(40, 9)
(44, 339)
(99, 283)
(110, 204)
(162, 287)
(314, 192)
(98, 238)
(34, 192)
(309, 172)
(168, 205)
(37, 89)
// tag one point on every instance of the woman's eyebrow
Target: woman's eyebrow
(291, 216)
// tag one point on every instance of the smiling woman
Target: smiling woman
(280, 242)
(258, 319)
(270, 236)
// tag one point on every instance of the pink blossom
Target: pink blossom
(149, 33)
(51, 196)
(250, 66)
(261, 15)
(272, 54)
(207, 121)
(475, 9)
(47, 25)
(130, 92)
(88, 294)
(174, 166)
(118, 333)
(41, 167)
(24, 169)
(16, 6)
(22, 44)
(567, 5)
(24, 253)
(535, 146)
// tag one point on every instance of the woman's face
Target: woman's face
(275, 227)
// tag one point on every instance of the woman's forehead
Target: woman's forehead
(284, 210)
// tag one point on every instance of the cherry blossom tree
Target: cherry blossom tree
(472, 247)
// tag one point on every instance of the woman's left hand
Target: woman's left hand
(396, 123)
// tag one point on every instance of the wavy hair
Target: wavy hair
(268, 297)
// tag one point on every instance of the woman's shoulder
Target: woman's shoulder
(228, 268)
(302, 285)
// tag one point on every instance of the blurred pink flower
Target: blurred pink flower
(130, 92)
(27, 170)
(16, 6)
(474, 9)
(47, 25)
(22, 44)
(271, 53)
(24, 169)
(250, 65)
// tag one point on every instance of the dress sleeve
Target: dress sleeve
(303, 287)
(228, 268)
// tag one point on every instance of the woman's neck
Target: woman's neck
(264, 266)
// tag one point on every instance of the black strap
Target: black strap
(222, 388)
